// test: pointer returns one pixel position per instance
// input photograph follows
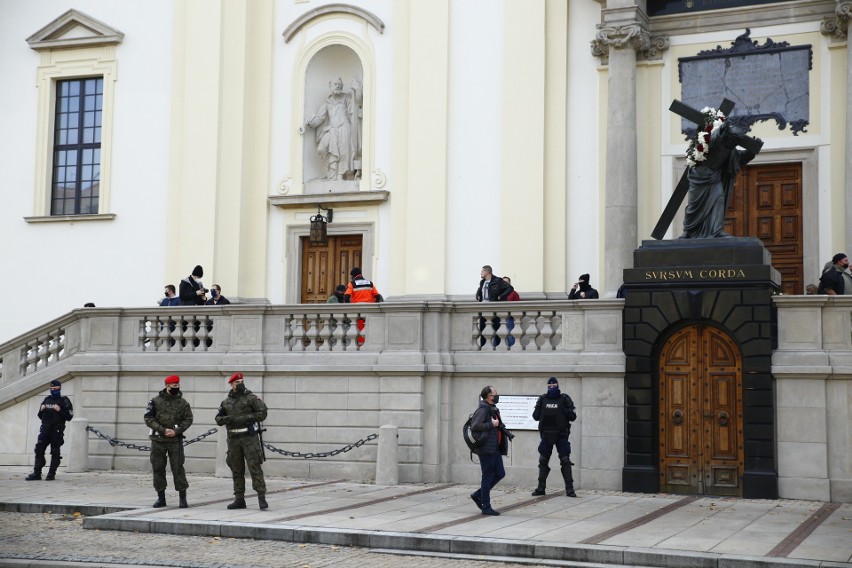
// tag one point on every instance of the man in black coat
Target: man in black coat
(554, 412)
(192, 291)
(832, 280)
(54, 412)
(585, 292)
(486, 422)
(491, 289)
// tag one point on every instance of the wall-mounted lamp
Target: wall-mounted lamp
(319, 226)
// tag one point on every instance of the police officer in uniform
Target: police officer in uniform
(54, 412)
(242, 412)
(168, 416)
(554, 413)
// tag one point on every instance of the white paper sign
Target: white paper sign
(516, 411)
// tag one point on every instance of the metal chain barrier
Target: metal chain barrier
(314, 455)
(116, 442)
(309, 455)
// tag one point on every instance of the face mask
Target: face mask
(496, 399)
(174, 391)
(241, 388)
(56, 393)
(553, 392)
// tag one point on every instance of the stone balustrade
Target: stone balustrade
(333, 374)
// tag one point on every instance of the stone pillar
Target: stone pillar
(78, 454)
(622, 33)
(843, 11)
(387, 456)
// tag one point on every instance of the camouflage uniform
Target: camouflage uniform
(167, 411)
(242, 413)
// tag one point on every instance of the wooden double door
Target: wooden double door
(700, 413)
(324, 266)
(767, 203)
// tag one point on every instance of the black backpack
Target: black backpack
(473, 440)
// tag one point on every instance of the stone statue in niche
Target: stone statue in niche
(337, 123)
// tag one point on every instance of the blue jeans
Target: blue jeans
(492, 472)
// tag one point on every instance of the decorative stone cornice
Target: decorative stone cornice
(837, 26)
(74, 29)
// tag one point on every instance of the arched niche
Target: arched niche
(332, 149)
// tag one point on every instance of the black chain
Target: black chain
(116, 442)
(314, 455)
(309, 455)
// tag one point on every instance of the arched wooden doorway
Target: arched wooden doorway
(700, 416)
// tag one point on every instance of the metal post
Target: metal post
(78, 455)
(387, 456)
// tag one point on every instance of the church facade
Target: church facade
(534, 137)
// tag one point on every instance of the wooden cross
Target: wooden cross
(751, 144)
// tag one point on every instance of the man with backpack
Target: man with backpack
(554, 412)
(486, 423)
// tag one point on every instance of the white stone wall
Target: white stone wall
(54, 267)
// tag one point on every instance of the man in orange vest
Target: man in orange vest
(360, 289)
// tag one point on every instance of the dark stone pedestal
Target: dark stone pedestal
(725, 283)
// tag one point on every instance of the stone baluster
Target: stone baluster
(312, 333)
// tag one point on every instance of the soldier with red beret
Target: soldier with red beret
(168, 416)
(242, 412)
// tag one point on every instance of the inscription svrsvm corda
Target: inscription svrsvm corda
(694, 274)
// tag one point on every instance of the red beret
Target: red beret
(172, 379)
(235, 377)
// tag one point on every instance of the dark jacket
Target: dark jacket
(188, 289)
(495, 441)
(52, 418)
(566, 406)
(591, 293)
(173, 301)
(498, 289)
(240, 410)
(167, 412)
(220, 301)
(831, 279)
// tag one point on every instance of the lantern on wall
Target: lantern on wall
(319, 226)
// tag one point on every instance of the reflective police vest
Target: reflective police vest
(553, 417)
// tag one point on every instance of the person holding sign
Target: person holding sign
(554, 412)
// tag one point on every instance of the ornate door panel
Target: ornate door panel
(767, 203)
(700, 422)
(326, 266)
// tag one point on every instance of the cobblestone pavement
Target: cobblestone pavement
(44, 536)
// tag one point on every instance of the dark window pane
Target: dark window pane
(76, 146)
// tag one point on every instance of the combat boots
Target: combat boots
(54, 465)
(261, 500)
(183, 504)
(543, 470)
(239, 503)
(568, 476)
(36, 474)
(161, 500)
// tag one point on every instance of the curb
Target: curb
(453, 545)
(65, 508)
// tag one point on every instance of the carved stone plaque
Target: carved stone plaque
(767, 82)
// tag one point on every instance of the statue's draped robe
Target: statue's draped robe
(336, 134)
(710, 190)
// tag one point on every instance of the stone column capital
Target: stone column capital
(628, 36)
(837, 25)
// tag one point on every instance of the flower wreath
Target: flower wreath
(699, 146)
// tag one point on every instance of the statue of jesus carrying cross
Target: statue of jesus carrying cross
(709, 178)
